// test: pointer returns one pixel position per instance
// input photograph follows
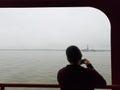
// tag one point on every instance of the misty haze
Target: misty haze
(53, 28)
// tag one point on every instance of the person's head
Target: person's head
(73, 54)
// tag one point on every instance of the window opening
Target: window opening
(33, 41)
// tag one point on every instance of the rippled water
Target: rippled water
(42, 66)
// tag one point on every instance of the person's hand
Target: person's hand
(86, 62)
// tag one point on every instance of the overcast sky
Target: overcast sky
(53, 28)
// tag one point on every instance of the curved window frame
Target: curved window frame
(108, 7)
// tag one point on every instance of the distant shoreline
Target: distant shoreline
(50, 50)
(32, 50)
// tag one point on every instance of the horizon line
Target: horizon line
(58, 49)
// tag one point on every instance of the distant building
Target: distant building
(87, 49)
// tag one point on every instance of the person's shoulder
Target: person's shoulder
(62, 69)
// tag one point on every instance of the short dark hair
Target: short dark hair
(73, 54)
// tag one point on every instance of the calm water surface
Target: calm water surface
(42, 66)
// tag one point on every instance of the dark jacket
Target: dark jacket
(75, 77)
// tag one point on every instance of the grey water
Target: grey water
(42, 66)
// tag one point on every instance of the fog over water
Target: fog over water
(46, 30)
(42, 66)
(53, 28)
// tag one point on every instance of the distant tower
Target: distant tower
(87, 48)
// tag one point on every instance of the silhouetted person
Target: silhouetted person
(76, 77)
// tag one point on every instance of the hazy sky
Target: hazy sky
(53, 28)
